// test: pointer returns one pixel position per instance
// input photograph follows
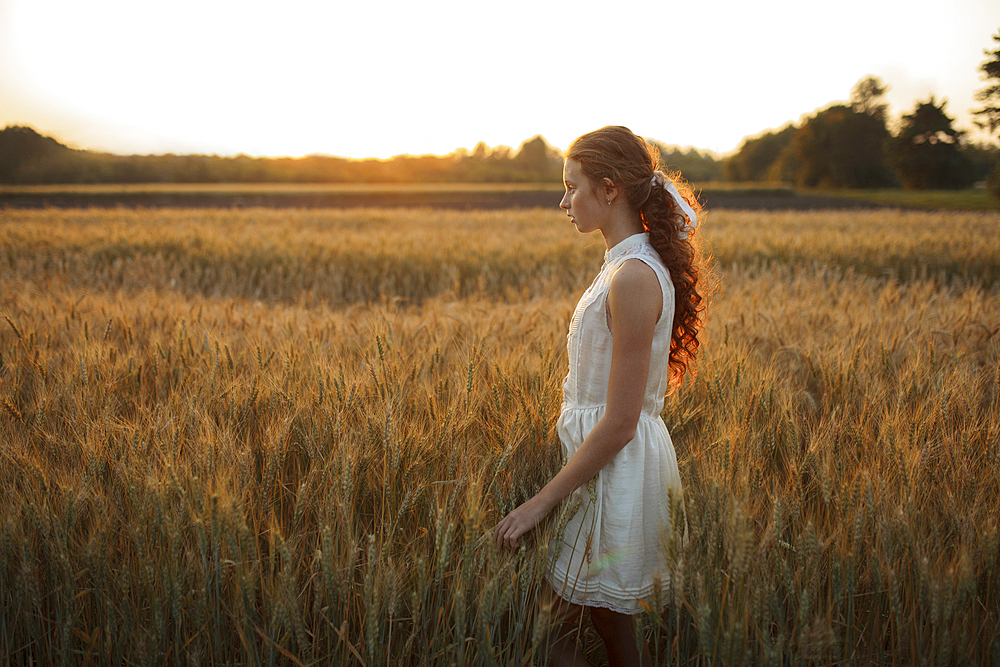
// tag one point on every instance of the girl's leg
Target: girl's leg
(566, 620)
(618, 632)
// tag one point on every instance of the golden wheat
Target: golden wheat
(262, 437)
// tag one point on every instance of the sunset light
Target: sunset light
(509, 333)
(380, 79)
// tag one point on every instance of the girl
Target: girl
(632, 337)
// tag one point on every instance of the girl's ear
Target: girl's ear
(610, 189)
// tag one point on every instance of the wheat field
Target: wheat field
(258, 437)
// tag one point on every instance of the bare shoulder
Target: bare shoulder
(636, 289)
(635, 274)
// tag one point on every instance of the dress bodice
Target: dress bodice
(590, 337)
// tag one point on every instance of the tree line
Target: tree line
(27, 157)
(851, 146)
(855, 145)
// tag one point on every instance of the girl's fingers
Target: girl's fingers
(500, 532)
(506, 534)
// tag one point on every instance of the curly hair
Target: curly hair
(630, 161)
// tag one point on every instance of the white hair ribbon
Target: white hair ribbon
(660, 179)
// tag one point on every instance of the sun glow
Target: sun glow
(379, 79)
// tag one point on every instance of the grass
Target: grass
(281, 437)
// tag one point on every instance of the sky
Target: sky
(376, 79)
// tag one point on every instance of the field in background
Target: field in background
(715, 195)
(261, 437)
(284, 195)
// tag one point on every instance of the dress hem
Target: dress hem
(606, 604)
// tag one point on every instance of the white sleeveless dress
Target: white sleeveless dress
(610, 553)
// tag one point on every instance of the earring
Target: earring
(609, 201)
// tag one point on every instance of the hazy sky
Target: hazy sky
(376, 79)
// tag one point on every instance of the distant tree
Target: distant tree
(537, 160)
(754, 159)
(21, 149)
(785, 168)
(501, 152)
(993, 180)
(867, 97)
(990, 113)
(990, 95)
(694, 165)
(843, 148)
(926, 151)
(983, 156)
(481, 151)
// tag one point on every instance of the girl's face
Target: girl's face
(581, 201)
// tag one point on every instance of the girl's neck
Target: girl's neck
(620, 228)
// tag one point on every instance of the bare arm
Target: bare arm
(635, 302)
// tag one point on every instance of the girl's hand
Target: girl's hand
(520, 521)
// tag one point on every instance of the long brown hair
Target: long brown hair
(616, 153)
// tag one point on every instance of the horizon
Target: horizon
(138, 80)
(455, 151)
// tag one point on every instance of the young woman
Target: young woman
(631, 339)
